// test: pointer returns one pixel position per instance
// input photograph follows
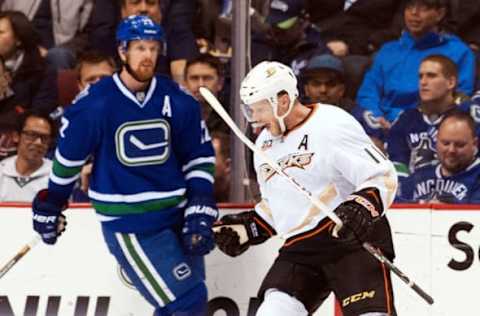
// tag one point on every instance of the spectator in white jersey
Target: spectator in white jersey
(325, 150)
(23, 175)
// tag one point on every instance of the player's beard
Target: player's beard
(144, 72)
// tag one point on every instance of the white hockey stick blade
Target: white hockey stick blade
(215, 104)
(19, 255)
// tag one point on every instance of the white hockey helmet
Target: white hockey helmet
(264, 82)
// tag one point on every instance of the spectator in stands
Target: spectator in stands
(23, 175)
(352, 27)
(176, 16)
(391, 84)
(32, 82)
(411, 140)
(456, 178)
(65, 27)
(93, 66)
(7, 118)
(291, 38)
(206, 71)
(223, 163)
(324, 81)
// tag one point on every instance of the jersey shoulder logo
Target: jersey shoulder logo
(141, 143)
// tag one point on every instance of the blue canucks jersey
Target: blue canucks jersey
(150, 156)
(427, 184)
(369, 123)
(411, 141)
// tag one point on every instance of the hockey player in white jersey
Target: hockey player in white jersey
(152, 177)
(325, 150)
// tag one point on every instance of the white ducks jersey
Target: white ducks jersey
(331, 156)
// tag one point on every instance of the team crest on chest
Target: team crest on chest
(297, 160)
(141, 143)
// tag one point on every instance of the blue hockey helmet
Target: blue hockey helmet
(139, 27)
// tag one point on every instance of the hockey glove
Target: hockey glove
(359, 213)
(236, 232)
(48, 219)
(197, 231)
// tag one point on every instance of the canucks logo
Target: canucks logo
(141, 143)
(423, 154)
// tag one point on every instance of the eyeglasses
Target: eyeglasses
(32, 136)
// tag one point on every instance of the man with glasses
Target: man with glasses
(23, 175)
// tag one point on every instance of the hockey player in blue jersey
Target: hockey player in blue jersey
(457, 178)
(412, 139)
(152, 180)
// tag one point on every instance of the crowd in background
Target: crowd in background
(406, 69)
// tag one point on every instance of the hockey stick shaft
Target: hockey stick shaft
(215, 104)
(381, 257)
(22, 252)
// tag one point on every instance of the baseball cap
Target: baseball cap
(325, 61)
(284, 13)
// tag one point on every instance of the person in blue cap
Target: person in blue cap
(152, 179)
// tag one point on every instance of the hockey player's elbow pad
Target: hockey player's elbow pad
(235, 233)
(359, 213)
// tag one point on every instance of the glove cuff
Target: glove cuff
(202, 210)
(370, 199)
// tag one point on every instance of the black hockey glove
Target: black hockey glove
(236, 232)
(359, 213)
(48, 219)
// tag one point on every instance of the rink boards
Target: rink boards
(437, 246)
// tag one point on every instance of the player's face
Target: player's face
(92, 72)
(142, 56)
(433, 85)
(261, 114)
(202, 75)
(456, 146)
(34, 140)
(8, 41)
(325, 86)
(421, 19)
(150, 8)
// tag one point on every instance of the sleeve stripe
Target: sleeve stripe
(63, 181)
(66, 162)
(198, 161)
(199, 174)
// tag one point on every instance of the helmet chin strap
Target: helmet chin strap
(281, 119)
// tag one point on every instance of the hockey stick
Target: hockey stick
(379, 255)
(22, 252)
(215, 104)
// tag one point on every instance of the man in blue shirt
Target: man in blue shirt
(391, 84)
